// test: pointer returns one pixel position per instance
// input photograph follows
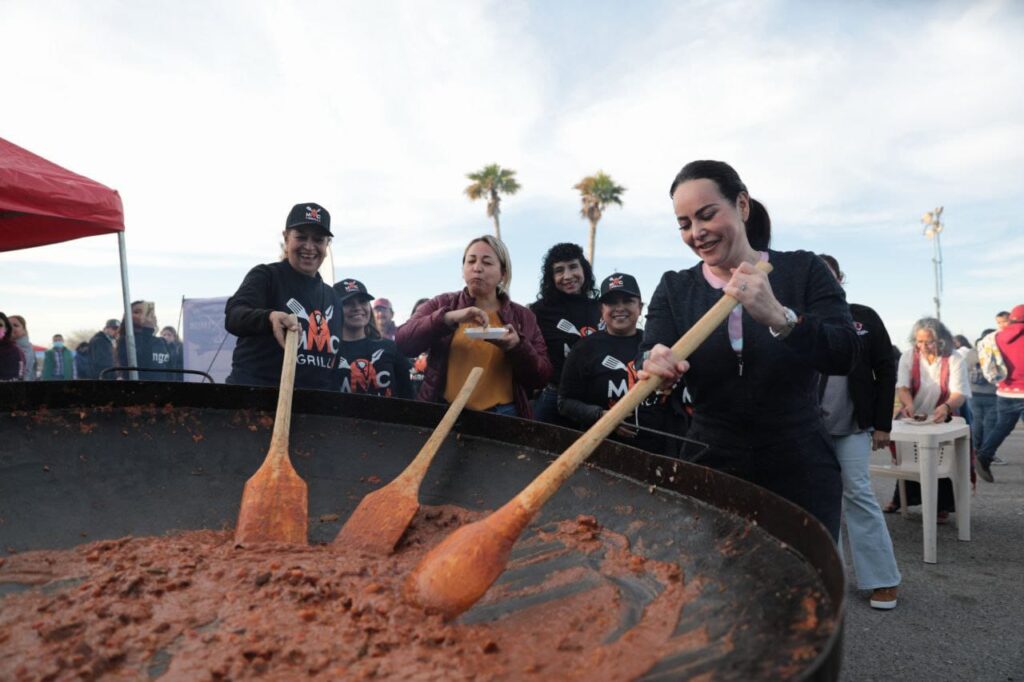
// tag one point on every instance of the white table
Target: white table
(928, 438)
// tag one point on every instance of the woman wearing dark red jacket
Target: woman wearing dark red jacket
(514, 363)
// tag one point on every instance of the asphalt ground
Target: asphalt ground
(963, 617)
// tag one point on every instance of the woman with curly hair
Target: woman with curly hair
(567, 310)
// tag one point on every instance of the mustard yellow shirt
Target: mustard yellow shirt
(495, 387)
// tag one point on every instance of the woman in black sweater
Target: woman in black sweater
(288, 295)
(754, 381)
(567, 311)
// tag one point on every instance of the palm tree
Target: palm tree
(597, 192)
(492, 181)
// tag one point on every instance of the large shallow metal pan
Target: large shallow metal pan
(82, 461)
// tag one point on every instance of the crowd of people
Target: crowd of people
(792, 393)
(103, 357)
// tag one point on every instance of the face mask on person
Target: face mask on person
(58, 344)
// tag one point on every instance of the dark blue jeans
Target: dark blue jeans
(545, 407)
(1008, 412)
(983, 405)
(507, 409)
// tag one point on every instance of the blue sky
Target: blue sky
(847, 120)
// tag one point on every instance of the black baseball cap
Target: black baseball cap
(113, 324)
(619, 282)
(347, 288)
(309, 214)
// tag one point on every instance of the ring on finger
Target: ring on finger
(743, 287)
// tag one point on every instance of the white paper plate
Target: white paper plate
(485, 332)
(914, 422)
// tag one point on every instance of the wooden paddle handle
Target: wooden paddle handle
(544, 486)
(283, 417)
(417, 469)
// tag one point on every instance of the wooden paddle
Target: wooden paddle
(457, 572)
(381, 518)
(274, 502)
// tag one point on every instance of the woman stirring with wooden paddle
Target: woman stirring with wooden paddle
(514, 363)
(754, 381)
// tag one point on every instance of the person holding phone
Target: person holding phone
(152, 355)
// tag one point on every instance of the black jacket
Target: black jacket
(101, 356)
(152, 353)
(872, 381)
(770, 392)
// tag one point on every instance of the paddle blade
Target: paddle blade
(274, 507)
(455, 574)
(379, 521)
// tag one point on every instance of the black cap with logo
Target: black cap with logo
(347, 288)
(309, 214)
(619, 282)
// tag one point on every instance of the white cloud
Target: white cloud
(212, 118)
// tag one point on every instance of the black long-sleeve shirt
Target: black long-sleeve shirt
(257, 357)
(600, 370)
(374, 367)
(771, 392)
(579, 317)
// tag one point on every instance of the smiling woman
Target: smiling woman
(567, 312)
(368, 363)
(514, 363)
(754, 382)
(289, 294)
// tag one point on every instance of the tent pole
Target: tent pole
(130, 328)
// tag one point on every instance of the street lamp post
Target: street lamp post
(932, 229)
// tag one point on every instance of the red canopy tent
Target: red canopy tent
(43, 203)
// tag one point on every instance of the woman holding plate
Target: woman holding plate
(514, 356)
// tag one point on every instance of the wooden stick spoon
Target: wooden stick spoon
(381, 518)
(458, 571)
(275, 500)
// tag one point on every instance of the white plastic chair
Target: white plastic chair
(950, 445)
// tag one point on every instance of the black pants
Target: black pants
(946, 502)
(802, 469)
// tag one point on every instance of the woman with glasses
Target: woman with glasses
(288, 295)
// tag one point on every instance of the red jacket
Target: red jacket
(427, 331)
(1011, 345)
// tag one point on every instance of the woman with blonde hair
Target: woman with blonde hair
(514, 363)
